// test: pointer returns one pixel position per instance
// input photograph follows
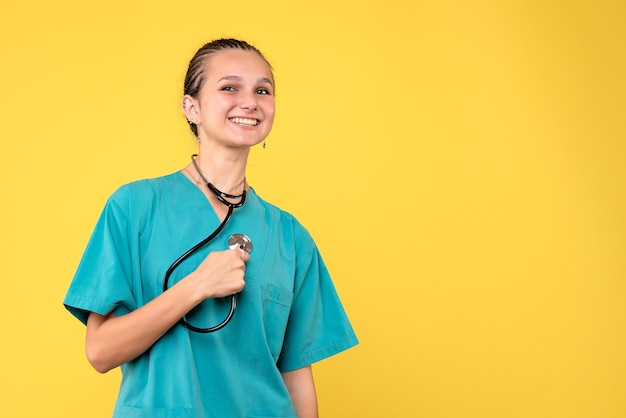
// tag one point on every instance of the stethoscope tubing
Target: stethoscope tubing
(198, 246)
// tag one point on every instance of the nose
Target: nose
(248, 100)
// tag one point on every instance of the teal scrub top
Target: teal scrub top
(288, 315)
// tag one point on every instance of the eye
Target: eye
(262, 91)
(228, 88)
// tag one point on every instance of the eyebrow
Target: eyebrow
(237, 78)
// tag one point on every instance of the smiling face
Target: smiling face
(235, 105)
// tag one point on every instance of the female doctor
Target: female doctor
(143, 313)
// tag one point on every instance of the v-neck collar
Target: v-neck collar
(189, 184)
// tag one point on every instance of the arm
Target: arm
(302, 391)
(112, 341)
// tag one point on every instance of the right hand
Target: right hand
(221, 273)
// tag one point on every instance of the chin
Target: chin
(247, 142)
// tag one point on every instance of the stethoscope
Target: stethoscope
(235, 241)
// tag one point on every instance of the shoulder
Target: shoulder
(144, 189)
(140, 198)
(289, 227)
(285, 218)
(148, 185)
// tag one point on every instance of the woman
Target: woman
(163, 323)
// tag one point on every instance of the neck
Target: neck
(226, 174)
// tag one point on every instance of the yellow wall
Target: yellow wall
(462, 165)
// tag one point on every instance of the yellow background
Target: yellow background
(462, 166)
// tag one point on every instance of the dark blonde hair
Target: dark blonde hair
(194, 80)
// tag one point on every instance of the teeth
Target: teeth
(245, 121)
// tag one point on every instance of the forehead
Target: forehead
(237, 62)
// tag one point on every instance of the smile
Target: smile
(244, 121)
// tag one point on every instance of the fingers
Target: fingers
(242, 254)
(222, 273)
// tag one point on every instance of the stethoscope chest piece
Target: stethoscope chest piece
(240, 241)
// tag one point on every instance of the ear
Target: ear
(190, 108)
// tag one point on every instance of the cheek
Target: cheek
(270, 111)
(269, 121)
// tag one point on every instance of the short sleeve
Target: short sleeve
(318, 326)
(102, 282)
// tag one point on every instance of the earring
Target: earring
(264, 146)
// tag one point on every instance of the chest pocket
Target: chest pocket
(276, 304)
